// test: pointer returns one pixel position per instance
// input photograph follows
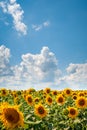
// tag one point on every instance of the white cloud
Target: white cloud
(38, 68)
(40, 26)
(46, 23)
(15, 10)
(4, 7)
(76, 75)
(33, 70)
(36, 27)
(5, 68)
(12, 1)
(40, 71)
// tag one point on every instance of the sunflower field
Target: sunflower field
(44, 109)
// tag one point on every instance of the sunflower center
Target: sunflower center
(68, 91)
(11, 115)
(30, 99)
(3, 92)
(36, 100)
(48, 91)
(81, 94)
(74, 97)
(60, 99)
(41, 110)
(72, 112)
(49, 100)
(55, 93)
(81, 102)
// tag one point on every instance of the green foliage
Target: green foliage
(57, 117)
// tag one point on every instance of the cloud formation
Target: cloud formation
(35, 69)
(40, 67)
(40, 26)
(15, 10)
(40, 71)
(76, 75)
(5, 68)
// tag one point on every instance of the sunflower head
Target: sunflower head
(16, 100)
(54, 92)
(81, 94)
(74, 97)
(31, 90)
(60, 99)
(67, 92)
(40, 111)
(11, 116)
(48, 100)
(74, 93)
(3, 92)
(36, 100)
(81, 102)
(47, 90)
(29, 99)
(72, 112)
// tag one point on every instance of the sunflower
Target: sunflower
(16, 100)
(11, 116)
(74, 93)
(81, 102)
(40, 111)
(49, 100)
(74, 97)
(72, 112)
(81, 94)
(54, 92)
(36, 100)
(60, 99)
(67, 92)
(14, 94)
(3, 92)
(31, 90)
(24, 96)
(29, 99)
(47, 90)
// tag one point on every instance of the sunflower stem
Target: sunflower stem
(32, 123)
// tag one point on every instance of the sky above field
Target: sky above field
(43, 43)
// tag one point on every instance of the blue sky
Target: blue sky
(43, 43)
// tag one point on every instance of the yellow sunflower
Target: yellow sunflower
(36, 100)
(67, 92)
(24, 96)
(72, 112)
(47, 90)
(60, 99)
(4, 92)
(14, 94)
(31, 90)
(81, 94)
(40, 111)
(74, 97)
(16, 100)
(29, 99)
(48, 100)
(54, 92)
(11, 116)
(74, 93)
(81, 102)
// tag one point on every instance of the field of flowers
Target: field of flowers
(43, 109)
